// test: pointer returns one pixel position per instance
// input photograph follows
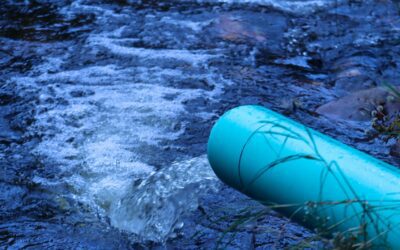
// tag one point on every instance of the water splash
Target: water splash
(154, 208)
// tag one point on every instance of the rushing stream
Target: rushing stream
(106, 107)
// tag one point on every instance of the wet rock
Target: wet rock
(395, 149)
(78, 236)
(365, 60)
(211, 225)
(354, 73)
(235, 30)
(265, 55)
(81, 93)
(264, 28)
(5, 98)
(298, 61)
(354, 82)
(10, 197)
(290, 106)
(39, 21)
(6, 134)
(192, 83)
(5, 58)
(359, 105)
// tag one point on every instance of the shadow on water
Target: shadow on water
(40, 21)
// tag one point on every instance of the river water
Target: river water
(106, 107)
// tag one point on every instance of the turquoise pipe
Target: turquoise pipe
(310, 177)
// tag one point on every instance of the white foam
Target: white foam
(192, 56)
(99, 140)
(195, 26)
(293, 6)
(107, 127)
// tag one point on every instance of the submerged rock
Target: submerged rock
(246, 27)
(234, 29)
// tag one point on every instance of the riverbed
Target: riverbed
(106, 107)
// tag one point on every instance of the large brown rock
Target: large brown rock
(359, 105)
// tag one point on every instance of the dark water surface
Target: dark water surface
(106, 106)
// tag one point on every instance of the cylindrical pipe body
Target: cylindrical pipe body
(310, 177)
